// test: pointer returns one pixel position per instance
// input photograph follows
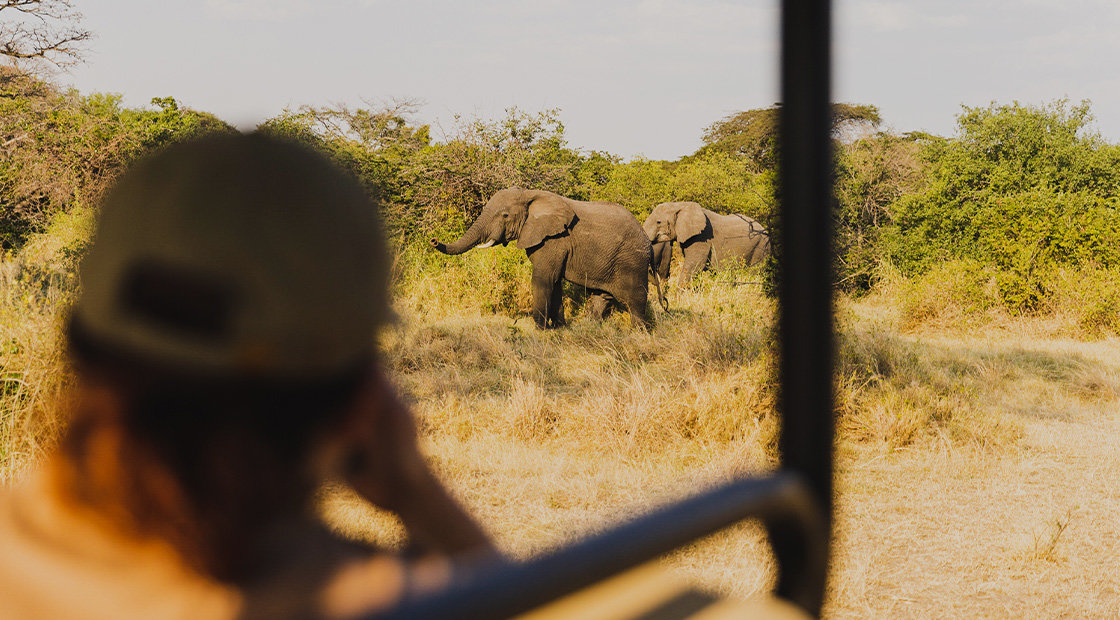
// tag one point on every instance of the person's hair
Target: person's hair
(236, 448)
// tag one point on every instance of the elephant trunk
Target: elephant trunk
(470, 239)
(657, 283)
(662, 255)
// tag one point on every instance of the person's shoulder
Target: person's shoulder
(58, 562)
(24, 507)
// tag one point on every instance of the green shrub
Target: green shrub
(1089, 298)
(491, 281)
(1022, 188)
(62, 149)
(872, 173)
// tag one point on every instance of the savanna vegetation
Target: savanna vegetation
(979, 305)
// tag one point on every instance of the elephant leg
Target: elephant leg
(556, 305)
(761, 251)
(634, 296)
(546, 300)
(599, 305)
(636, 304)
(548, 267)
(695, 259)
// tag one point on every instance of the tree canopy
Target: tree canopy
(1020, 188)
(753, 134)
(59, 149)
(1019, 191)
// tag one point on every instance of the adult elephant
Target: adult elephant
(706, 238)
(598, 245)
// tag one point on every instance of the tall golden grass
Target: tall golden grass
(32, 375)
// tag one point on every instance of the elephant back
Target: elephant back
(616, 219)
(738, 236)
(735, 225)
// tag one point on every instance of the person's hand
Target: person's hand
(384, 465)
(383, 462)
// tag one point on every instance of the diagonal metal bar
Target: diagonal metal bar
(507, 591)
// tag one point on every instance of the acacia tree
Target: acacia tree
(451, 180)
(753, 134)
(41, 30)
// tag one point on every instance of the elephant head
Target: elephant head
(526, 216)
(675, 221)
(669, 222)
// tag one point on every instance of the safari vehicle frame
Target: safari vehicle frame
(795, 503)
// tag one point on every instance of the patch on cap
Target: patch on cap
(171, 297)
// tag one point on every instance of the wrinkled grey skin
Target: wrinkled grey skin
(598, 245)
(706, 238)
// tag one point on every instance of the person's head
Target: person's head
(226, 322)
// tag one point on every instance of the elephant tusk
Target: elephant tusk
(485, 245)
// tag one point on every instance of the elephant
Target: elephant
(706, 238)
(597, 245)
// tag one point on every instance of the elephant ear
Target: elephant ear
(548, 216)
(650, 226)
(691, 221)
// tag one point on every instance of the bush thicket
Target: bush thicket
(1021, 195)
(59, 149)
(1022, 189)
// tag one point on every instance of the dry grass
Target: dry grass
(958, 494)
(31, 380)
(977, 468)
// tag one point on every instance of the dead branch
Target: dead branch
(45, 30)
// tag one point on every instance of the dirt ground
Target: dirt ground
(1031, 532)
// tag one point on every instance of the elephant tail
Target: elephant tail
(664, 301)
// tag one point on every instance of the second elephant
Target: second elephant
(706, 238)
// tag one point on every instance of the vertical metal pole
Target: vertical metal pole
(805, 321)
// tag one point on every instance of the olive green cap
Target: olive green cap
(237, 255)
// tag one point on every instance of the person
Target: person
(225, 368)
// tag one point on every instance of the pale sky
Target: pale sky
(632, 77)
